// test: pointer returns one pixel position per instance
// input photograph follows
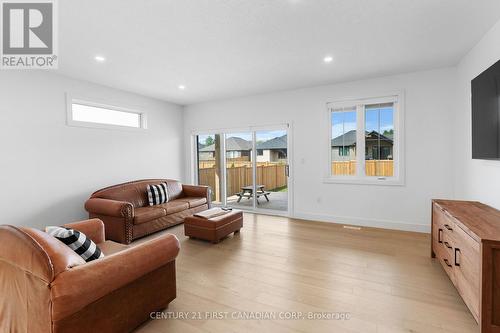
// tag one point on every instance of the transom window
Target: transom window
(90, 114)
(364, 140)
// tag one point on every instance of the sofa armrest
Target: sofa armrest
(72, 290)
(94, 229)
(109, 207)
(34, 253)
(197, 191)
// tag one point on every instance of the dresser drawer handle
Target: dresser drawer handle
(448, 227)
(447, 262)
(457, 250)
(448, 245)
(440, 235)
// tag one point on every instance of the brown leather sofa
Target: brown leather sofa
(126, 213)
(46, 287)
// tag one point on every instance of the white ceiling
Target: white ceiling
(227, 48)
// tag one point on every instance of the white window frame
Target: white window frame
(70, 100)
(398, 147)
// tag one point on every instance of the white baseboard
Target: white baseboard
(364, 222)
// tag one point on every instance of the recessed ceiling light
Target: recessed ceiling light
(100, 59)
(328, 59)
(182, 87)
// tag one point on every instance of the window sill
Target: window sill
(84, 124)
(365, 181)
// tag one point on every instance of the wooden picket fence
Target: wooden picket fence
(384, 168)
(272, 176)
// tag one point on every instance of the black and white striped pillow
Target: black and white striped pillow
(157, 194)
(77, 241)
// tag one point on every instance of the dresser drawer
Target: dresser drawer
(438, 229)
(442, 241)
(447, 264)
(466, 262)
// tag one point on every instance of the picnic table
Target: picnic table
(247, 192)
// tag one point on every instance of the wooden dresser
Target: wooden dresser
(466, 241)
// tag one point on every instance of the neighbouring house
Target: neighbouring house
(236, 148)
(344, 146)
(205, 155)
(273, 150)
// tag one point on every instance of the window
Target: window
(372, 126)
(379, 127)
(88, 114)
(343, 151)
(343, 137)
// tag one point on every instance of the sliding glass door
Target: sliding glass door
(239, 169)
(209, 167)
(247, 170)
(271, 192)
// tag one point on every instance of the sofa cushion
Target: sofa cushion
(174, 189)
(77, 241)
(174, 206)
(124, 193)
(110, 247)
(146, 214)
(194, 201)
(135, 192)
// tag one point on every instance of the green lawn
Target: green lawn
(279, 189)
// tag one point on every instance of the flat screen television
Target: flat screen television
(486, 114)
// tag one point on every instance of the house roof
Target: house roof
(232, 144)
(274, 143)
(346, 139)
(349, 138)
(239, 144)
(375, 135)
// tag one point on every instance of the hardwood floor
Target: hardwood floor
(385, 280)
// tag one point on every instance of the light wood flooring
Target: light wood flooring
(384, 279)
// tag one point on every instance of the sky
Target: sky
(203, 138)
(343, 122)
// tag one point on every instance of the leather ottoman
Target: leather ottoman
(215, 228)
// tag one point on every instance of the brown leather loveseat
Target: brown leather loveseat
(125, 210)
(45, 287)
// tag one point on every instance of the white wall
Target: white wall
(49, 169)
(428, 113)
(475, 179)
